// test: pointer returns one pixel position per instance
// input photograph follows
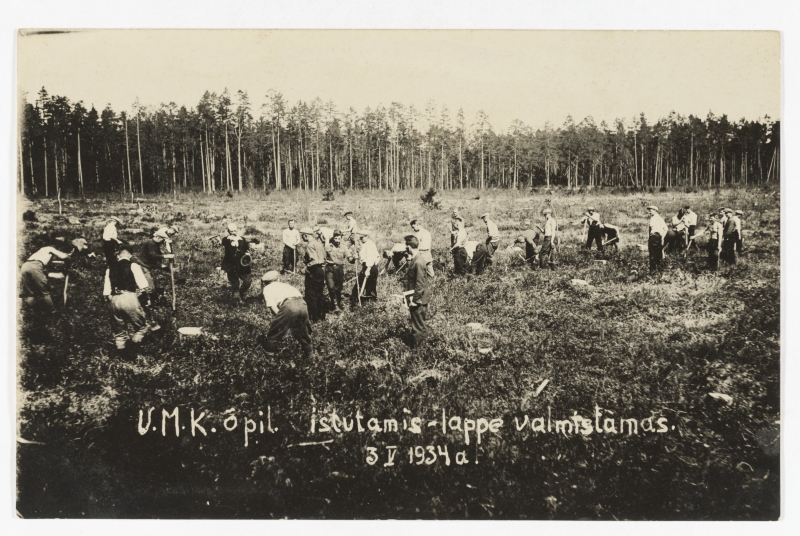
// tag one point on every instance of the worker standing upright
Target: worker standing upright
(417, 290)
(368, 259)
(315, 275)
(291, 237)
(656, 232)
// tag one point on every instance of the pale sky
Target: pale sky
(534, 76)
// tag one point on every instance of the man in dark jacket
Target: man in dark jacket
(315, 275)
(335, 258)
(595, 231)
(235, 249)
(155, 252)
(529, 241)
(417, 290)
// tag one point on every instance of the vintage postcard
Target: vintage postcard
(523, 275)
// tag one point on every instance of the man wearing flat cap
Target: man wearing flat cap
(687, 216)
(291, 314)
(484, 252)
(731, 234)
(351, 224)
(110, 240)
(454, 219)
(291, 238)
(235, 249)
(528, 242)
(417, 290)
(595, 234)
(314, 258)
(723, 217)
(548, 239)
(656, 232)
(368, 259)
(154, 254)
(425, 241)
(335, 258)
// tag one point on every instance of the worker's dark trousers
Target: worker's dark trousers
(315, 288)
(654, 247)
(419, 329)
(288, 259)
(595, 235)
(293, 315)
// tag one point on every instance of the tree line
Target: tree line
(220, 145)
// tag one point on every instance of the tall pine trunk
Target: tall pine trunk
(80, 169)
(239, 158)
(128, 153)
(139, 146)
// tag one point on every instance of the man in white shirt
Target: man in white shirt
(110, 240)
(657, 231)
(484, 252)
(730, 237)
(714, 246)
(352, 225)
(168, 231)
(291, 314)
(35, 288)
(124, 283)
(548, 240)
(325, 234)
(425, 241)
(689, 219)
(291, 237)
(368, 259)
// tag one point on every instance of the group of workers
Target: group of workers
(724, 229)
(325, 257)
(131, 285)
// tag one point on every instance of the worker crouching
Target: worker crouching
(291, 314)
(124, 283)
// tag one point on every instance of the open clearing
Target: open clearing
(635, 346)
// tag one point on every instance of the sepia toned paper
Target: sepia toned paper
(590, 388)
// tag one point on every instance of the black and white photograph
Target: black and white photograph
(398, 274)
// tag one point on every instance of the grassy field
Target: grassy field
(627, 345)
